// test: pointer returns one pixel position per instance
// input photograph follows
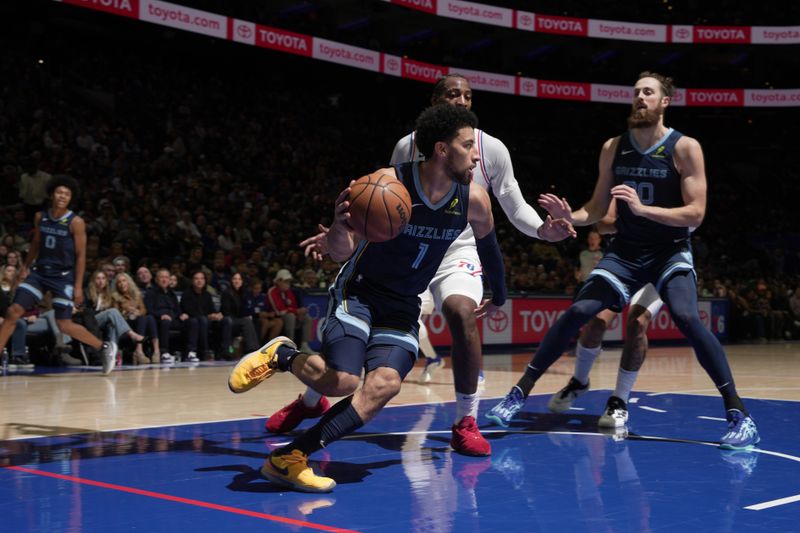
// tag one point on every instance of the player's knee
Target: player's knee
(592, 334)
(637, 326)
(459, 312)
(383, 385)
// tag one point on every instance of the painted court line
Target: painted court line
(178, 499)
(646, 408)
(716, 419)
(773, 503)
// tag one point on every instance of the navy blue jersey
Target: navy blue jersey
(653, 174)
(406, 264)
(57, 246)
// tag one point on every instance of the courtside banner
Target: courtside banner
(184, 18)
(247, 32)
(527, 320)
(126, 8)
(344, 54)
(284, 41)
(603, 29)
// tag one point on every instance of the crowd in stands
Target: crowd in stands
(203, 186)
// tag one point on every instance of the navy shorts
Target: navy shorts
(627, 267)
(386, 328)
(59, 282)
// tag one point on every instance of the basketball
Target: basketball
(380, 207)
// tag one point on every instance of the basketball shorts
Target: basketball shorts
(59, 282)
(378, 322)
(455, 276)
(627, 267)
(648, 298)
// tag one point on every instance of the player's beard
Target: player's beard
(463, 177)
(644, 118)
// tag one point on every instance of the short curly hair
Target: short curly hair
(440, 123)
(64, 180)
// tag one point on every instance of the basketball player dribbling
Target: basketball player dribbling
(457, 287)
(374, 306)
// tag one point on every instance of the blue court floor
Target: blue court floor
(547, 473)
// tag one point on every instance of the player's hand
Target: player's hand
(485, 309)
(557, 207)
(77, 296)
(317, 246)
(341, 213)
(556, 230)
(628, 195)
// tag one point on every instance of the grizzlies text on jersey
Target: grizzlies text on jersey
(653, 175)
(57, 247)
(406, 264)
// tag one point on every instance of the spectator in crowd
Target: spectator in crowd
(237, 321)
(144, 278)
(121, 264)
(129, 301)
(284, 302)
(18, 355)
(198, 312)
(107, 315)
(162, 302)
(589, 257)
(794, 306)
(33, 186)
(268, 324)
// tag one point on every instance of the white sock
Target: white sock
(311, 397)
(584, 359)
(625, 381)
(467, 405)
(425, 345)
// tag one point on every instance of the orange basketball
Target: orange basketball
(380, 206)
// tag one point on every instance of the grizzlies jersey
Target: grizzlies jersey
(57, 246)
(653, 175)
(406, 264)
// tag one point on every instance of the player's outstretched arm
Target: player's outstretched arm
(316, 246)
(480, 218)
(597, 206)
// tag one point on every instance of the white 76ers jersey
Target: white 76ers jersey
(494, 173)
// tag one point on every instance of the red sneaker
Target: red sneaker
(287, 418)
(467, 439)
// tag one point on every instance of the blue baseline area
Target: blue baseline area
(547, 473)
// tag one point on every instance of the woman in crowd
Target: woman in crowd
(108, 316)
(129, 301)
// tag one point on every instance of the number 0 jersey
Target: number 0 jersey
(406, 264)
(653, 174)
(56, 246)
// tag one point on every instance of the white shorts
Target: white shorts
(648, 298)
(456, 275)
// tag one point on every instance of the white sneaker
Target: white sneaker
(167, 358)
(191, 357)
(615, 415)
(563, 399)
(109, 357)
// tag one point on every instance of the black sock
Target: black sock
(340, 420)
(286, 355)
(731, 398)
(528, 379)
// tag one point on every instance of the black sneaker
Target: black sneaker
(616, 414)
(563, 399)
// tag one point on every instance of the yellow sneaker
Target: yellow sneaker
(257, 366)
(292, 470)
